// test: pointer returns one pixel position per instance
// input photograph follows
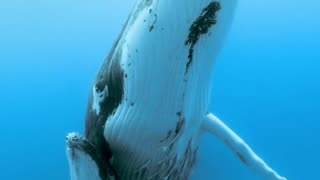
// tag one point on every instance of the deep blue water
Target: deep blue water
(266, 84)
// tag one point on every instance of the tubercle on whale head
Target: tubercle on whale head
(104, 98)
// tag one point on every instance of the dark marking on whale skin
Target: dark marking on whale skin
(201, 26)
(180, 125)
(242, 158)
(189, 159)
(174, 167)
(174, 133)
(110, 76)
(154, 22)
(94, 127)
(239, 155)
(140, 7)
(167, 137)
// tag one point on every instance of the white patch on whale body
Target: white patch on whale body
(98, 97)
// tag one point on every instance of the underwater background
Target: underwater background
(266, 84)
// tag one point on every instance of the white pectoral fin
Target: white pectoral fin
(237, 145)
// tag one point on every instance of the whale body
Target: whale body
(149, 104)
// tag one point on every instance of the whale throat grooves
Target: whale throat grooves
(148, 105)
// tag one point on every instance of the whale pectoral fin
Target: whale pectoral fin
(238, 146)
(84, 162)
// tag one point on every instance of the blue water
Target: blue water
(266, 84)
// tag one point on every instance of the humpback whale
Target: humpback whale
(148, 106)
